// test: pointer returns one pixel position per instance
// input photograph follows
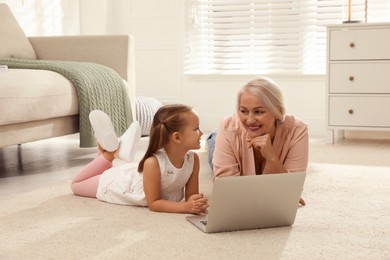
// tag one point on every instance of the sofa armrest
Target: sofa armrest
(113, 51)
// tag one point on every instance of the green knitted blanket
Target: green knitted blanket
(97, 87)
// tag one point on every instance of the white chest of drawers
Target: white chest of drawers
(358, 78)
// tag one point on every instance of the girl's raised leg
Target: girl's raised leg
(85, 183)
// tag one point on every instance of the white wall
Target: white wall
(215, 97)
(46, 17)
(158, 29)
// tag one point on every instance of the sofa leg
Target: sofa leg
(20, 159)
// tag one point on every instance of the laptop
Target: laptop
(252, 202)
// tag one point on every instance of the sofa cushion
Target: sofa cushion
(30, 95)
(13, 41)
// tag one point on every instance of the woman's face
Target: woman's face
(255, 117)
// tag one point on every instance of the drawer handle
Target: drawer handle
(351, 78)
(350, 111)
(352, 45)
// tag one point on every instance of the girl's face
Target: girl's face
(255, 117)
(191, 134)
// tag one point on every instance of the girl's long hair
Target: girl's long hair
(167, 120)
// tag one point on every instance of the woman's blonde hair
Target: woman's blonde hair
(167, 120)
(268, 92)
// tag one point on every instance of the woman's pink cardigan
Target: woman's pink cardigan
(232, 157)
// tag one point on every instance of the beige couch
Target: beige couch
(40, 104)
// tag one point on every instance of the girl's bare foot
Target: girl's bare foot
(110, 156)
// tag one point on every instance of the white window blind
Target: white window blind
(267, 37)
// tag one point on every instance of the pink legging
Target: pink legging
(86, 182)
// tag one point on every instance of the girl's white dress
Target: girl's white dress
(123, 184)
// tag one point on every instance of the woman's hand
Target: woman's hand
(263, 143)
(198, 204)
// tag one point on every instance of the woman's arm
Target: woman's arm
(152, 189)
(225, 160)
(298, 155)
(292, 155)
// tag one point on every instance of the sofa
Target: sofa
(37, 104)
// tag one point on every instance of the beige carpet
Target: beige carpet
(347, 217)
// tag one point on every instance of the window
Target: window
(267, 37)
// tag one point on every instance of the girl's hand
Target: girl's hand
(264, 145)
(198, 204)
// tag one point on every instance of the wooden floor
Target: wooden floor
(38, 164)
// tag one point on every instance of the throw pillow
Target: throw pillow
(13, 41)
(145, 108)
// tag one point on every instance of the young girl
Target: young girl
(167, 173)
